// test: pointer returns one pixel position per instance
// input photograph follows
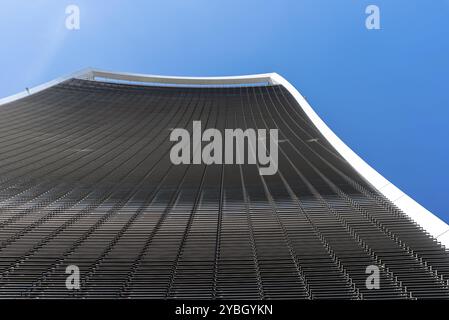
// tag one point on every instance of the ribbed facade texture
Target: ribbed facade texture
(86, 180)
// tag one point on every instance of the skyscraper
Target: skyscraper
(87, 181)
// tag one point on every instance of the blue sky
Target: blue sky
(384, 92)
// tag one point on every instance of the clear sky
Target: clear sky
(384, 92)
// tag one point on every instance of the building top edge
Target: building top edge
(424, 218)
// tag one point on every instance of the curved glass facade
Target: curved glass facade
(86, 179)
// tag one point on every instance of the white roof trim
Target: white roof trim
(428, 221)
(184, 80)
(91, 74)
(86, 73)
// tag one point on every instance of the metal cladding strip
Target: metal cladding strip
(428, 221)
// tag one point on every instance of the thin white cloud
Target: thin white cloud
(54, 36)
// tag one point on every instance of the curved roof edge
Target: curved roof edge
(428, 221)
